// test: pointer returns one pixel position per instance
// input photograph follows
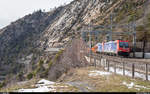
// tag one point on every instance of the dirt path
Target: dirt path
(82, 87)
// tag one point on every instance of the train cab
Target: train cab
(123, 48)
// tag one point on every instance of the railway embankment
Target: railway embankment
(132, 67)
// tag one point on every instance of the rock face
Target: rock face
(71, 19)
(42, 30)
(82, 12)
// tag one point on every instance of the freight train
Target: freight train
(117, 47)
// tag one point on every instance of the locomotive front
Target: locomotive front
(123, 48)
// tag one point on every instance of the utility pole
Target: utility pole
(145, 31)
(90, 41)
(134, 35)
(111, 23)
(134, 38)
(144, 43)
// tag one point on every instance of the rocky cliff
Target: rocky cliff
(96, 12)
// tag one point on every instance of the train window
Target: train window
(123, 44)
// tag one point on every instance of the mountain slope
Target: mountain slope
(37, 32)
(18, 40)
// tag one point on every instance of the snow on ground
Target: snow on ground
(44, 82)
(97, 72)
(42, 86)
(88, 59)
(132, 85)
(39, 89)
(120, 71)
(128, 85)
(128, 73)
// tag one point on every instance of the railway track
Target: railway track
(121, 59)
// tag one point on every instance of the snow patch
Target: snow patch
(132, 85)
(43, 81)
(88, 59)
(96, 73)
(128, 85)
(127, 73)
(39, 89)
(42, 86)
(119, 70)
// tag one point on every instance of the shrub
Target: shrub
(40, 63)
(58, 55)
(78, 28)
(2, 84)
(44, 74)
(20, 76)
(30, 76)
(39, 68)
(50, 63)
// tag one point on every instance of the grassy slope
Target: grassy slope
(111, 83)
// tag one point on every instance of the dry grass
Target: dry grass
(111, 83)
(61, 87)
(108, 83)
(12, 88)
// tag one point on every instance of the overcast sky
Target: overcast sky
(11, 10)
